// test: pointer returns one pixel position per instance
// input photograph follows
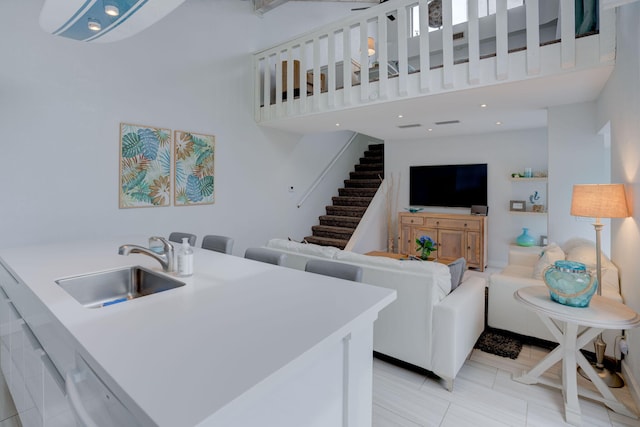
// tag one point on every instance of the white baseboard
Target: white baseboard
(632, 383)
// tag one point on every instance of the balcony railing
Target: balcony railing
(372, 57)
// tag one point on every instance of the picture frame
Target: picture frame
(145, 166)
(517, 206)
(194, 158)
(543, 241)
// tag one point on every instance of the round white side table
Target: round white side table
(564, 322)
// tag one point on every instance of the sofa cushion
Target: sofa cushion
(457, 269)
(328, 252)
(550, 254)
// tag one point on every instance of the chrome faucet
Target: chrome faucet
(165, 258)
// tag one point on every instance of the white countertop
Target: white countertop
(184, 354)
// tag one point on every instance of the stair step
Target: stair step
(374, 154)
(362, 183)
(351, 201)
(379, 147)
(370, 167)
(367, 175)
(357, 192)
(368, 160)
(325, 241)
(342, 233)
(340, 221)
(353, 211)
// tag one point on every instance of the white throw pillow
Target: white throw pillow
(550, 254)
(586, 254)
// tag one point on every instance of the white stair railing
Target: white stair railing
(320, 64)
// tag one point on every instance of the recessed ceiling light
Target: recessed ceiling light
(430, 129)
(94, 25)
(111, 10)
(498, 123)
(400, 116)
(338, 124)
(483, 105)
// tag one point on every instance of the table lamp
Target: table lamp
(600, 201)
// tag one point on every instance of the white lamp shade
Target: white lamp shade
(371, 46)
(599, 201)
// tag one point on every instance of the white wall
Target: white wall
(620, 104)
(61, 102)
(504, 152)
(577, 155)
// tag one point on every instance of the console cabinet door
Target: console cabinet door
(450, 245)
(474, 249)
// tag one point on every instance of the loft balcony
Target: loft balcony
(394, 52)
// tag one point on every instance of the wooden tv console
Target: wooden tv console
(455, 235)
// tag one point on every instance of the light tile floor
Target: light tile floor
(483, 395)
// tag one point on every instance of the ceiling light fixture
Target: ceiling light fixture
(498, 123)
(430, 130)
(94, 25)
(111, 9)
(483, 105)
(400, 116)
(337, 124)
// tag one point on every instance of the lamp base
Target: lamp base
(611, 379)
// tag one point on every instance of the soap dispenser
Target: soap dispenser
(185, 259)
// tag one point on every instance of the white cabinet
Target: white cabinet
(35, 384)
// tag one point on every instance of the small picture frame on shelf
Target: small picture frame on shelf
(543, 241)
(517, 206)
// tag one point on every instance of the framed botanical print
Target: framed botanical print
(145, 166)
(194, 156)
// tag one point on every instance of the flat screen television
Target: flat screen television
(459, 186)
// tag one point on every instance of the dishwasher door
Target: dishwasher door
(92, 403)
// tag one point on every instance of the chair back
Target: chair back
(334, 269)
(265, 255)
(222, 244)
(177, 238)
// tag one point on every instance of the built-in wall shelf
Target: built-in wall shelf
(527, 213)
(534, 179)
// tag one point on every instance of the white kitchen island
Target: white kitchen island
(243, 343)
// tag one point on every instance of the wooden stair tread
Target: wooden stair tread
(325, 241)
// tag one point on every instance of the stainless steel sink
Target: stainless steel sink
(105, 288)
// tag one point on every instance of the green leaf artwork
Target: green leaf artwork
(194, 169)
(145, 166)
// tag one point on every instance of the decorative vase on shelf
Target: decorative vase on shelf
(525, 239)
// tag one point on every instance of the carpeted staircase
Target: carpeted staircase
(342, 218)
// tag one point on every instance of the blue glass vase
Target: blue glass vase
(525, 239)
(570, 283)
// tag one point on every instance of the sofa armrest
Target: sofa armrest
(458, 321)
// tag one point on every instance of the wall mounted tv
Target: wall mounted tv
(459, 186)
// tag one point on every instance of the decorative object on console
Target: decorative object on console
(194, 169)
(145, 166)
(538, 208)
(525, 239)
(426, 245)
(570, 283)
(413, 210)
(479, 210)
(600, 201)
(517, 205)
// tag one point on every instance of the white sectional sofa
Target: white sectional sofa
(524, 269)
(428, 326)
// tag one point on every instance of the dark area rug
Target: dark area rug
(499, 343)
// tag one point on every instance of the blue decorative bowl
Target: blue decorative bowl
(570, 283)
